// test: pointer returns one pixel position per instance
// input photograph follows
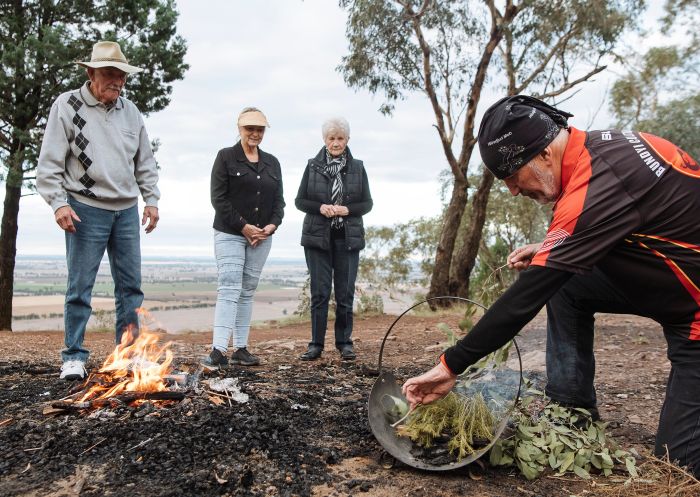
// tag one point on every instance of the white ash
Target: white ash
(230, 387)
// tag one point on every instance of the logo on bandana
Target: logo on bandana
(554, 238)
(510, 153)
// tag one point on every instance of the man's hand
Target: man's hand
(429, 386)
(150, 213)
(340, 210)
(328, 210)
(65, 216)
(521, 257)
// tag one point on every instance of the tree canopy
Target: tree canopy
(451, 51)
(660, 92)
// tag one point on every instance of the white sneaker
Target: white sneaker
(73, 370)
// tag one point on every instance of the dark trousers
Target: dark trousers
(337, 267)
(571, 362)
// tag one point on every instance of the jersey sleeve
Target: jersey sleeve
(506, 317)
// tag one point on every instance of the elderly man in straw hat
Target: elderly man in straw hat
(95, 160)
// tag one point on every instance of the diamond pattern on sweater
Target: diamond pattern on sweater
(87, 181)
(87, 193)
(75, 103)
(85, 160)
(78, 121)
(81, 141)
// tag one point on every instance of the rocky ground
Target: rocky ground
(304, 430)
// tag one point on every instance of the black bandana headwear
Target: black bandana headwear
(514, 130)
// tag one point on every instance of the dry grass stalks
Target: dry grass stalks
(659, 478)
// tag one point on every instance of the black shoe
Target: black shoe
(215, 360)
(242, 357)
(346, 353)
(312, 353)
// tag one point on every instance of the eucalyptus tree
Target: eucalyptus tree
(451, 51)
(39, 41)
(660, 92)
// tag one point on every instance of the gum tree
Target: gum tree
(39, 40)
(451, 51)
(660, 93)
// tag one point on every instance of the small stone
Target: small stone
(621, 396)
(635, 419)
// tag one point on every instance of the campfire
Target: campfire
(138, 369)
(138, 364)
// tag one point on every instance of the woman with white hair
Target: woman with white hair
(246, 192)
(334, 194)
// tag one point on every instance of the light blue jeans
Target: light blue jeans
(239, 266)
(100, 230)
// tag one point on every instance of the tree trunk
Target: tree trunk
(466, 257)
(8, 244)
(440, 280)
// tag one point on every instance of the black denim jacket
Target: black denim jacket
(243, 193)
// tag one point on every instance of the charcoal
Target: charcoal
(172, 448)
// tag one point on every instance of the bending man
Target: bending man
(624, 238)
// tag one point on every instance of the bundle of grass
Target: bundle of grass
(462, 423)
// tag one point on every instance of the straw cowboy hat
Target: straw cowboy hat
(109, 54)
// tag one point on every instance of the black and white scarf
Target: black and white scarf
(333, 167)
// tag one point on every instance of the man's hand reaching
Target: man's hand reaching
(430, 386)
(521, 257)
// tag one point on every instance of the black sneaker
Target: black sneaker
(242, 357)
(215, 360)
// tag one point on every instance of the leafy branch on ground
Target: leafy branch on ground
(565, 440)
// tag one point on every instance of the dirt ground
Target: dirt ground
(314, 411)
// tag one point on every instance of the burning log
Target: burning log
(130, 397)
(126, 398)
(139, 369)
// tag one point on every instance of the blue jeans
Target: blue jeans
(571, 363)
(239, 266)
(118, 233)
(337, 266)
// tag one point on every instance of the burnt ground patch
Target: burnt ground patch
(279, 443)
(303, 432)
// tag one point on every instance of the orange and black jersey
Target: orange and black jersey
(628, 207)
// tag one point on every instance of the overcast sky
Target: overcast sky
(280, 56)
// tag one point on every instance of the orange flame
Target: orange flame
(137, 364)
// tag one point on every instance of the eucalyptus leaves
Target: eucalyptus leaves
(562, 439)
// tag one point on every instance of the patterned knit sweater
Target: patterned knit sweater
(101, 156)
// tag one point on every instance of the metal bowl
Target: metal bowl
(400, 447)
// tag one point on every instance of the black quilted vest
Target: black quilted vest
(316, 231)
